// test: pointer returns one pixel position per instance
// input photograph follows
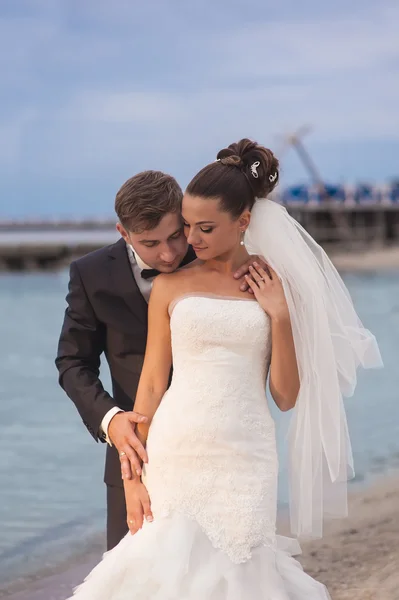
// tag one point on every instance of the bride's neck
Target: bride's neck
(229, 262)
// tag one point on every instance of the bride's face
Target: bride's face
(211, 231)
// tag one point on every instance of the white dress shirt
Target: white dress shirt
(144, 286)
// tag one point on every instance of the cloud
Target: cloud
(130, 107)
(98, 90)
(339, 45)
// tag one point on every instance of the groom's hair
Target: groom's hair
(143, 200)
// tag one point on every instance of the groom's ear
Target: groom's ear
(123, 232)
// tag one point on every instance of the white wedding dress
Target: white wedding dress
(212, 473)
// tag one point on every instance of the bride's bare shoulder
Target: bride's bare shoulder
(170, 285)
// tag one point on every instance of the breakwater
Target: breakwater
(47, 245)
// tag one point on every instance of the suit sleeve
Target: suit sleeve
(81, 343)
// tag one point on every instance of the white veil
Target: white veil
(330, 343)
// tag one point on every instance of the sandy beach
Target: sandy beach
(357, 559)
(374, 259)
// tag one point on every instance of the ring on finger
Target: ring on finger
(122, 454)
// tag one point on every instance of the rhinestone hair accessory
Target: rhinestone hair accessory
(254, 168)
(273, 178)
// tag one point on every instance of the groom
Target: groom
(107, 307)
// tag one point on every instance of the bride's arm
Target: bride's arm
(284, 377)
(158, 355)
(152, 386)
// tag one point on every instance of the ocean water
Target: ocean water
(52, 498)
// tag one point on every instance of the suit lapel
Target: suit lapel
(123, 282)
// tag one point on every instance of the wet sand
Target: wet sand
(358, 558)
(375, 259)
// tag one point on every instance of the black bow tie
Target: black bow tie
(150, 273)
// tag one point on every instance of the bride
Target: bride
(213, 466)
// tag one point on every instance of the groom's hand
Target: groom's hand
(132, 453)
(244, 270)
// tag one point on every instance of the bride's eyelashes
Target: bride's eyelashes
(203, 229)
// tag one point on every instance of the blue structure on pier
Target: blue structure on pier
(350, 195)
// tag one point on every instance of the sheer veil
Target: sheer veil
(330, 343)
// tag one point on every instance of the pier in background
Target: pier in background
(337, 226)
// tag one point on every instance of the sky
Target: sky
(94, 91)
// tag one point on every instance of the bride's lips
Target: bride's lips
(196, 249)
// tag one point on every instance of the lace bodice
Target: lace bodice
(211, 445)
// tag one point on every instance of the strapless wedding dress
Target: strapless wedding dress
(212, 473)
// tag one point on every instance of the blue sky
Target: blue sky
(94, 91)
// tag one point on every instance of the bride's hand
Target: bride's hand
(268, 290)
(138, 505)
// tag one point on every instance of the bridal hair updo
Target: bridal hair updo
(241, 173)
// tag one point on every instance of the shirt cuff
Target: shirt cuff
(106, 421)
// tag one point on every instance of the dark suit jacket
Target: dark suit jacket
(106, 313)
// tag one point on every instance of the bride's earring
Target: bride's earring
(242, 237)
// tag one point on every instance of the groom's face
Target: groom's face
(162, 248)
